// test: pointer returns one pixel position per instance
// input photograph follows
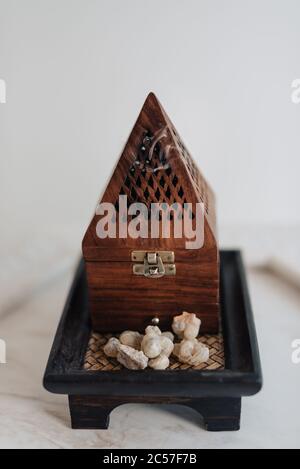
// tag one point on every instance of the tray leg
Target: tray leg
(88, 413)
(219, 414)
(92, 412)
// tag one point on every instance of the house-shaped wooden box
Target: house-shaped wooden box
(133, 281)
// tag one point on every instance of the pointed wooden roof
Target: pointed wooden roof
(155, 166)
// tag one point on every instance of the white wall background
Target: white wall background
(77, 73)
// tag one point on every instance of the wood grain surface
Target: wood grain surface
(155, 167)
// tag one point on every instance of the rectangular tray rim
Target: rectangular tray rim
(89, 382)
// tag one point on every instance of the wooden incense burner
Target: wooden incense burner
(133, 281)
(129, 282)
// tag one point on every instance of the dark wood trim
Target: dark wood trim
(93, 412)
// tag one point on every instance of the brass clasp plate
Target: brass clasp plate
(154, 264)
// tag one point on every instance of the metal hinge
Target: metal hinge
(154, 264)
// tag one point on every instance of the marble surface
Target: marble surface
(33, 418)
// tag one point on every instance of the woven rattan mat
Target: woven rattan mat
(96, 360)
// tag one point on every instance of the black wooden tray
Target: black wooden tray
(216, 395)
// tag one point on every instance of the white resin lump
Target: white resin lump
(125, 354)
(158, 347)
(189, 350)
(131, 338)
(155, 343)
(186, 326)
(131, 358)
(136, 351)
(111, 348)
(159, 363)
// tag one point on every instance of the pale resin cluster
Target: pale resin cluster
(136, 351)
(189, 350)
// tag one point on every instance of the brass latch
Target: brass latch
(153, 264)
